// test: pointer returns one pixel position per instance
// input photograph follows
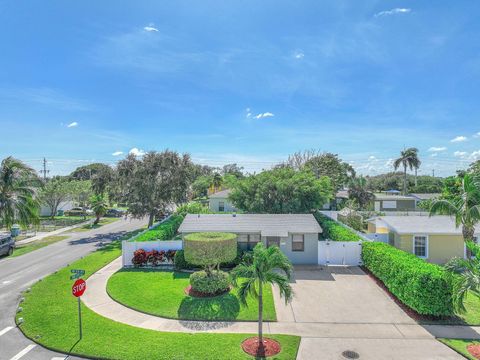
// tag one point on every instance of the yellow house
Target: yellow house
(435, 239)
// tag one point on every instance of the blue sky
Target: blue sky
(246, 82)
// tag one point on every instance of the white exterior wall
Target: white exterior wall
(65, 206)
(214, 203)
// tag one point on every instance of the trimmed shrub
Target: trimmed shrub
(164, 231)
(424, 287)
(334, 231)
(209, 249)
(180, 262)
(215, 283)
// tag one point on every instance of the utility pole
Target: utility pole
(433, 172)
(44, 171)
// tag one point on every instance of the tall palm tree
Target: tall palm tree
(263, 269)
(99, 207)
(464, 208)
(217, 182)
(467, 281)
(358, 190)
(18, 189)
(408, 159)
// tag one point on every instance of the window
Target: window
(420, 246)
(221, 206)
(248, 241)
(298, 242)
(389, 204)
(273, 240)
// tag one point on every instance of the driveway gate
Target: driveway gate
(340, 253)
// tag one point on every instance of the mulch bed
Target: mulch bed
(409, 311)
(270, 347)
(190, 292)
(474, 350)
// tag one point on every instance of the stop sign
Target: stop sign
(79, 287)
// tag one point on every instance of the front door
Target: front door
(273, 240)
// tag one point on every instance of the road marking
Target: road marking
(6, 282)
(23, 352)
(59, 358)
(7, 329)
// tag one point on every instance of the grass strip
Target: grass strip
(35, 245)
(460, 346)
(50, 318)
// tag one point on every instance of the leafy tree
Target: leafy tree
(358, 191)
(452, 188)
(233, 169)
(200, 186)
(281, 190)
(56, 191)
(475, 168)
(250, 278)
(18, 189)
(87, 172)
(408, 159)
(465, 209)
(102, 180)
(468, 272)
(99, 206)
(322, 164)
(82, 192)
(217, 182)
(153, 183)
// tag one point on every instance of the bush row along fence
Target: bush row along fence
(337, 231)
(424, 287)
(164, 230)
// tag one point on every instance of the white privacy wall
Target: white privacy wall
(129, 247)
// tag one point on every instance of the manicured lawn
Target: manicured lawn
(470, 317)
(88, 227)
(162, 293)
(24, 249)
(460, 346)
(50, 317)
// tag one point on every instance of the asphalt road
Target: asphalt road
(17, 274)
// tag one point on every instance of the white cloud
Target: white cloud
(72, 124)
(435, 148)
(150, 28)
(475, 155)
(393, 12)
(118, 153)
(460, 154)
(137, 152)
(477, 135)
(248, 112)
(434, 155)
(264, 115)
(372, 157)
(459, 139)
(299, 55)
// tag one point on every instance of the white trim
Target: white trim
(426, 245)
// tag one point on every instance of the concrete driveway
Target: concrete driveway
(339, 295)
(348, 311)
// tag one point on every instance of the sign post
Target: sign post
(78, 289)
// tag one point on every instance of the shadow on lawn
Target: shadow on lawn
(225, 307)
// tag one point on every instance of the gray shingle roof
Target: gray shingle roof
(416, 224)
(266, 224)
(221, 194)
(426, 196)
(393, 197)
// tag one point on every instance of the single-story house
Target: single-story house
(435, 239)
(297, 235)
(340, 197)
(219, 202)
(388, 201)
(422, 197)
(46, 210)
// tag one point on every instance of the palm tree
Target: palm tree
(99, 207)
(263, 269)
(358, 191)
(408, 159)
(18, 189)
(467, 281)
(217, 182)
(465, 208)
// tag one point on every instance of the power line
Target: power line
(44, 171)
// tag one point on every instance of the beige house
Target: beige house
(435, 239)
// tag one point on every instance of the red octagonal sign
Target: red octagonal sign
(79, 287)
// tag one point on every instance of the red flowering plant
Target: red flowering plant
(139, 258)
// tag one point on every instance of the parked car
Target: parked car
(78, 211)
(115, 213)
(7, 244)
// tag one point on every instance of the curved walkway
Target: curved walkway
(97, 299)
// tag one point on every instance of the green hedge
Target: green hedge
(165, 231)
(424, 287)
(334, 231)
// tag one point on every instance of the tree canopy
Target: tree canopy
(281, 190)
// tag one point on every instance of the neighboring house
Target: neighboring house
(435, 239)
(219, 202)
(422, 197)
(45, 210)
(296, 234)
(389, 201)
(340, 197)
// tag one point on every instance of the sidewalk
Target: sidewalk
(43, 235)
